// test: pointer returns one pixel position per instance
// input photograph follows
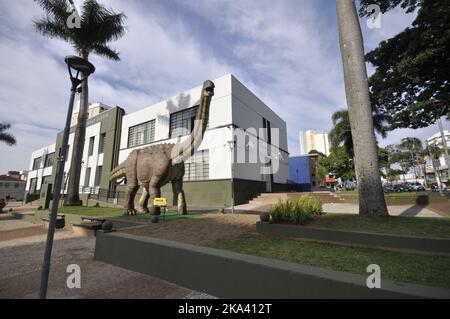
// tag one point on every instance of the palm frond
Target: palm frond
(106, 52)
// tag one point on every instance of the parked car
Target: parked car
(417, 187)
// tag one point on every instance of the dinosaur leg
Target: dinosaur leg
(143, 201)
(177, 188)
(155, 192)
(129, 201)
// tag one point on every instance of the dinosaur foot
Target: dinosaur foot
(144, 211)
(130, 212)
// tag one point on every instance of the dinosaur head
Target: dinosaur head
(208, 88)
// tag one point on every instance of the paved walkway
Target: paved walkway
(21, 259)
(401, 210)
(344, 208)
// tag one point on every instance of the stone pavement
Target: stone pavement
(400, 210)
(21, 259)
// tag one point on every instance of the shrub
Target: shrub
(298, 211)
(2, 204)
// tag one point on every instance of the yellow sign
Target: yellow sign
(160, 201)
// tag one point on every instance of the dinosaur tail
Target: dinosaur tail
(117, 173)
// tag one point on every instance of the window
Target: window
(6, 185)
(16, 185)
(98, 175)
(1, 184)
(141, 134)
(37, 163)
(49, 160)
(91, 145)
(182, 122)
(101, 144)
(33, 183)
(88, 177)
(197, 166)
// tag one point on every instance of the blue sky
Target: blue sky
(286, 52)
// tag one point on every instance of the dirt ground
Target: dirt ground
(204, 230)
(21, 254)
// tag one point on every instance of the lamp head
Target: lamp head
(80, 65)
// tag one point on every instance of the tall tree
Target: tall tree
(371, 196)
(98, 26)
(341, 132)
(411, 83)
(6, 137)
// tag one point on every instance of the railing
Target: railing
(104, 195)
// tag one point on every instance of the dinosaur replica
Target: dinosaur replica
(154, 166)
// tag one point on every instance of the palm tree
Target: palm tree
(414, 148)
(6, 137)
(341, 132)
(98, 27)
(371, 196)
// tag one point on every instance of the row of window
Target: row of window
(49, 158)
(101, 144)
(181, 123)
(48, 161)
(98, 176)
(7, 185)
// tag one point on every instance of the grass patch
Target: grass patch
(90, 211)
(403, 267)
(170, 215)
(399, 225)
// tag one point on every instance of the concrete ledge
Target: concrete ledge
(412, 243)
(231, 275)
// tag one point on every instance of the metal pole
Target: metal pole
(444, 145)
(56, 196)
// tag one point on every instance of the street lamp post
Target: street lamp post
(86, 68)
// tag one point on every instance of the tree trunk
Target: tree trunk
(73, 191)
(371, 197)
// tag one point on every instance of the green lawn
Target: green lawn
(91, 211)
(413, 226)
(403, 267)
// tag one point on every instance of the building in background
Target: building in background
(302, 172)
(240, 126)
(314, 140)
(12, 186)
(441, 164)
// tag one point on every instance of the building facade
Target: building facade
(12, 186)
(440, 164)
(40, 169)
(244, 150)
(314, 140)
(224, 166)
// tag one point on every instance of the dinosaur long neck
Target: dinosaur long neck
(186, 148)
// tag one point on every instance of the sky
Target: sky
(286, 52)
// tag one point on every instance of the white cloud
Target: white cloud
(286, 52)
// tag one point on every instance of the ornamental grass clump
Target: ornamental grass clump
(298, 211)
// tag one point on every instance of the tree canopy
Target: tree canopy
(412, 80)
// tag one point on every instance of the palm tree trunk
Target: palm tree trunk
(73, 191)
(371, 197)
